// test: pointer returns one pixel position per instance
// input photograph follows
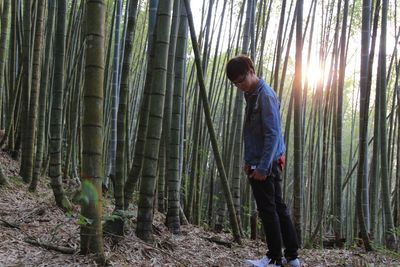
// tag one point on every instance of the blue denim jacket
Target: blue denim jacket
(263, 140)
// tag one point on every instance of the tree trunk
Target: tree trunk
(297, 119)
(363, 137)
(33, 107)
(388, 222)
(174, 177)
(43, 97)
(374, 169)
(92, 132)
(56, 123)
(118, 182)
(152, 144)
(217, 155)
(339, 126)
(137, 164)
(26, 88)
(3, 39)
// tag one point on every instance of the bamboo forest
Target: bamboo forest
(122, 140)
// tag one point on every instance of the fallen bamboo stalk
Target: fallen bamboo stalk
(9, 224)
(46, 245)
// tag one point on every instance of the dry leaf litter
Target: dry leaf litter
(25, 215)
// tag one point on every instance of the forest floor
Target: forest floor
(27, 217)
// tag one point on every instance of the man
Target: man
(264, 159)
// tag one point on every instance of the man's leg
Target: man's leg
(264, 194)
(289, 235)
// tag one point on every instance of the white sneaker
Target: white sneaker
(294, 263)
(264, 262)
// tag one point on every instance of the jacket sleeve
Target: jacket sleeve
(246, 154)
(270, 120)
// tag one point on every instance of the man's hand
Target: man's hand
(256, 175)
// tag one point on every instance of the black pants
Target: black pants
(275, 216)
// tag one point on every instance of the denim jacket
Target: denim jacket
(263, 140)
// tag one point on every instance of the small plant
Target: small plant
(17, 179)
(69, 214)
(119, 214)
(112, 217)
(384, 250)
(83, 221)
(395, 231)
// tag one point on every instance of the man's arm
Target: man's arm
(270, 120)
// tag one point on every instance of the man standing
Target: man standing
(264, 159)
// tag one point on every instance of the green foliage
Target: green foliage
(113, 217)
(84, 221)
(69, 214)
(119, 215)
(385, 251)
(16, 179)
(215, 198)
(87, 195)
(396, 231)
(66, 204)
(355, 28)
(89, 192)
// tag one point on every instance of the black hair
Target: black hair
(238, 66)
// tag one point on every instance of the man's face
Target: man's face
(243, 82)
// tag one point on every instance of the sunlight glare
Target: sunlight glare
(313, 74)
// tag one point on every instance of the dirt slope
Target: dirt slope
(28, 216)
